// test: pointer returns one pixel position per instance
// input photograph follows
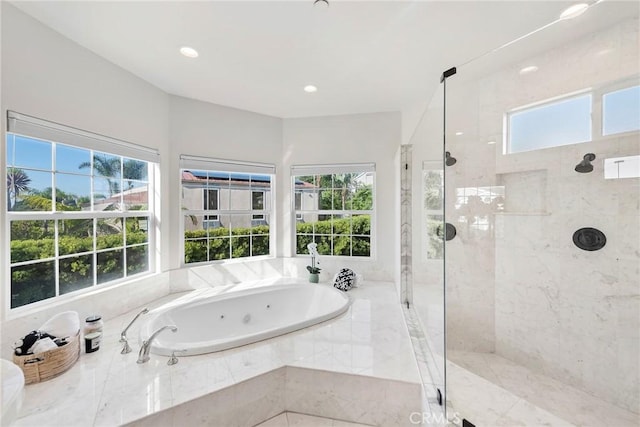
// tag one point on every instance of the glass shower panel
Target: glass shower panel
(426, 314)
(542, 281)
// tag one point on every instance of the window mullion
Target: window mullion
(56, 252)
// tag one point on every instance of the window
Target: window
(297, 207)
(335, 208)
(211, 201)
(257, 204)
(621, 111)
(622, 167)
(575, 118)
(561, 122)
(235, 220)
(433, 194)
(78, 216)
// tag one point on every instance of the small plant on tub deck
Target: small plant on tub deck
(313, 269)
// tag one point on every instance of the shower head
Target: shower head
(448, 160)
(585, 165)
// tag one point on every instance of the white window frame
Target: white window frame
(332, 169)
(597, 111)
(57, 134)
(600, 93)
(199, 163)
(541, 104)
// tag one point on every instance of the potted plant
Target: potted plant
(313, 269)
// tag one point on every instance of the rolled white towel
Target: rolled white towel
(42, 345)
(62, 324)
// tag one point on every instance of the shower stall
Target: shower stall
(526, 217)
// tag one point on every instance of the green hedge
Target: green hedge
(223, 243)
(35, 282)
(348, 236)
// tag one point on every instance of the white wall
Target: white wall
(202, 129)
(357, 138)
(48, 76)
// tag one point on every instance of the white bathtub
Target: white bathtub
(208, 323)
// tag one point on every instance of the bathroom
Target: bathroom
(47, 75)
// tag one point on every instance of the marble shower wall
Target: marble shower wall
(516, 282)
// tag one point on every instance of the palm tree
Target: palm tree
(134, 170)
(347, 185)
(108, 167)
(17, 182)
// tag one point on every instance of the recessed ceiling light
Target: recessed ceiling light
(322, 4)
(529, 69)
(574, 11)
(189, 52)
(459, 133)
(310, 88)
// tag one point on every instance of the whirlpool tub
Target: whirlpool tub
(213, 322)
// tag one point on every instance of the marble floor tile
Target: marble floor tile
(476, 399)
(277, 421)
(300, 420)
(548, 395)
(526, 414)
(293, 419)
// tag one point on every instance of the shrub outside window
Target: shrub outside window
(237, 225)
(334, 207)
(77, 217)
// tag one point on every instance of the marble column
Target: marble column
(406, 273)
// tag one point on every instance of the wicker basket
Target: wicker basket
(49, 364)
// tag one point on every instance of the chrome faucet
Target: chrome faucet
(123, 335)
(143, 355)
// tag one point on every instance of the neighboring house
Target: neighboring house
(131, 199)
(305, 199)
(238, 193)
(222, 192)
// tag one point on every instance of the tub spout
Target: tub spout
(143, 355)
(126, 348)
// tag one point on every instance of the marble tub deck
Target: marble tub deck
(107, 388)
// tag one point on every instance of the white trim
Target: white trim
(303, 170)
(223, 165)
(29, 126)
